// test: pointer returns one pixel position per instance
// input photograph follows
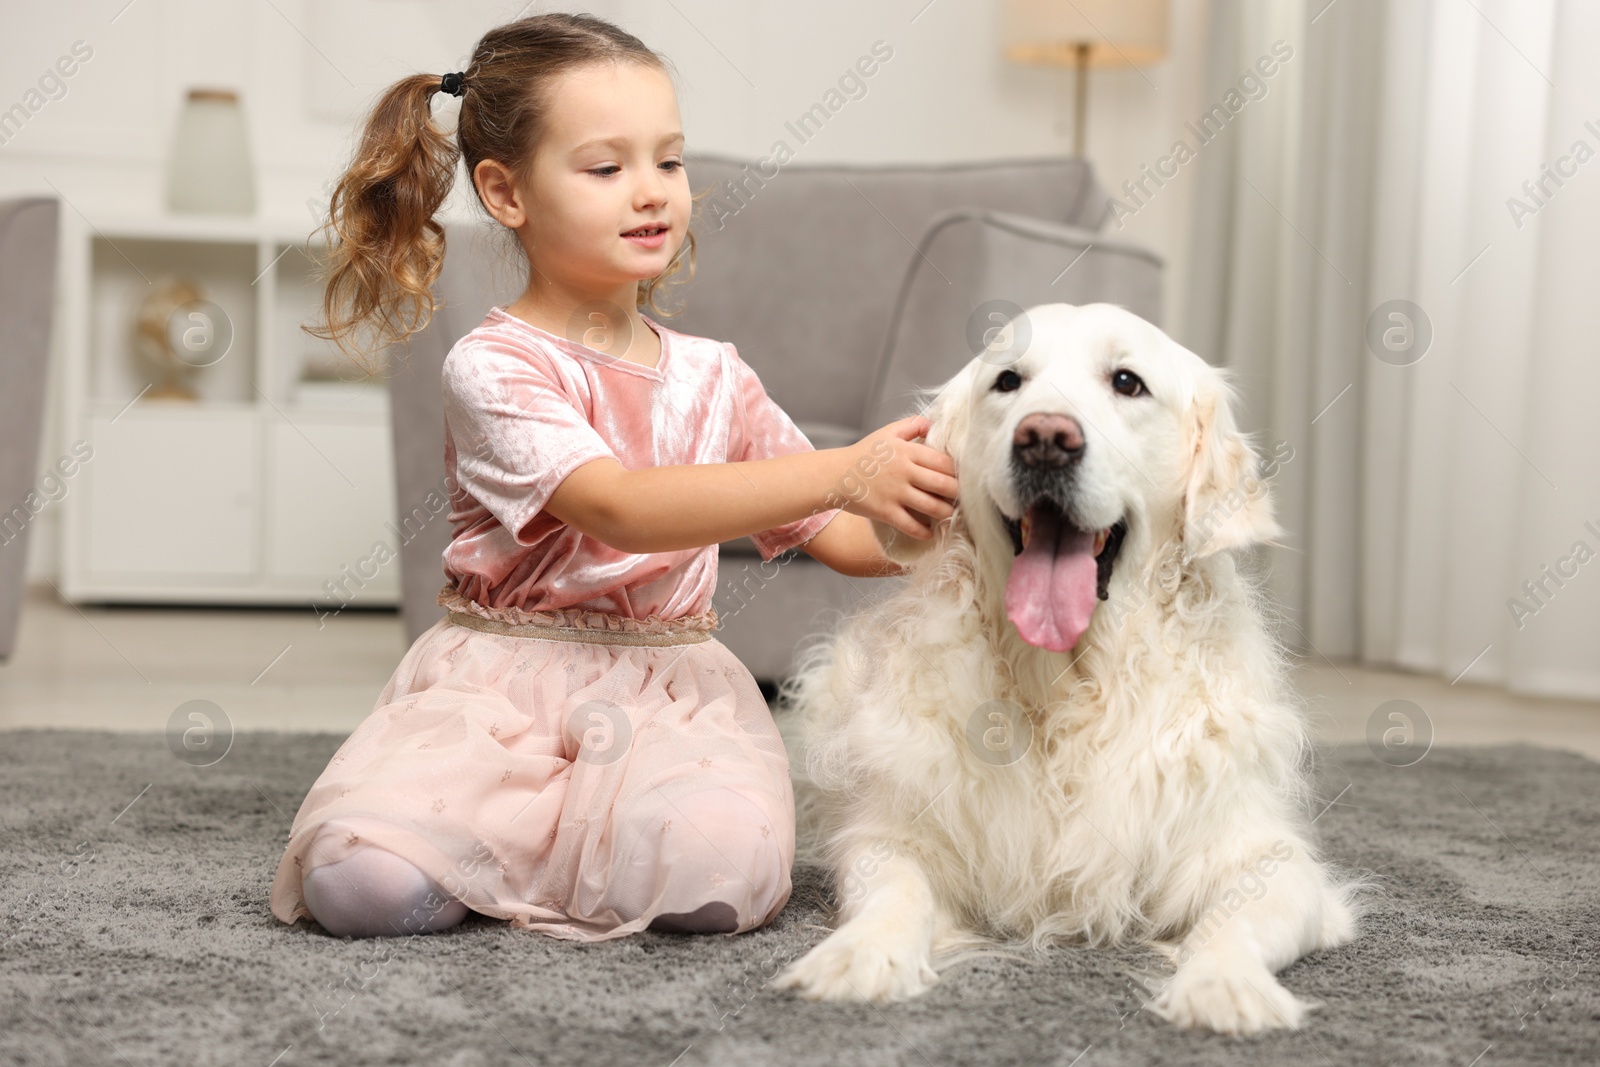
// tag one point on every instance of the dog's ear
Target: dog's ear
(947, 415)
(1226, 503)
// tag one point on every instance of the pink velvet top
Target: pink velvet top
(524, 408)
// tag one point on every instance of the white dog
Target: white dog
(991, 754)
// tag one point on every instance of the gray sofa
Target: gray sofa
(28, 242)
(845, 288)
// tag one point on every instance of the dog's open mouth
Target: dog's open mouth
(1059, 572)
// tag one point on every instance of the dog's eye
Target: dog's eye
(1008, 381)
(1128, 383)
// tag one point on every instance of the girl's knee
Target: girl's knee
(375, 893)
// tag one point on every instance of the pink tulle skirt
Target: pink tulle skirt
(578, 784)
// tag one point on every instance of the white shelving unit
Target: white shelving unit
(272, 487)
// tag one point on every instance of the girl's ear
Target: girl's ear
(497, 188)
(1225, 502)
(948, 416)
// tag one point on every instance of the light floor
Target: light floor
(132, 668)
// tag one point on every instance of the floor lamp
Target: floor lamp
(1083, 34)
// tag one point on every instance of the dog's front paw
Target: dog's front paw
(853, 965)
(1228, 998)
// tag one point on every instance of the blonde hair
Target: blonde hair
(385, 248)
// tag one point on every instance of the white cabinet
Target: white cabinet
(271, 483)
(326, 479)
(173, 496)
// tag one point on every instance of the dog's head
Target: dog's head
(1096, 430)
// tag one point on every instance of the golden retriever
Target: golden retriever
(1071, 720)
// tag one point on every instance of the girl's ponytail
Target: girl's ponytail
(384, 248)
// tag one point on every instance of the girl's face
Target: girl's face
(610, 161)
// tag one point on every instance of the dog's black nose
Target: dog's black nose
(1048, 440)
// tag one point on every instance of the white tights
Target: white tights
(374, 893)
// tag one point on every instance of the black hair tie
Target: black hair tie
(454, 84)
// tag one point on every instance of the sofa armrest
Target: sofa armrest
(967, 259)
(29, 229)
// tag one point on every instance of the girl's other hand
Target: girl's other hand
(895, 478)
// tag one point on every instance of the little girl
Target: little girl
(571, 748)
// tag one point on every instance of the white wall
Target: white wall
(306, 69)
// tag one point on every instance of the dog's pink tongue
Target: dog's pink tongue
(1051, 592)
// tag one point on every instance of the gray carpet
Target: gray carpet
(137, 931)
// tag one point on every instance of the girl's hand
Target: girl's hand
(898, 480)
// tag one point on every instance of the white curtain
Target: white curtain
(1445, 510)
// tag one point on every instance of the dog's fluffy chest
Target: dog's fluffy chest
(1092, 811)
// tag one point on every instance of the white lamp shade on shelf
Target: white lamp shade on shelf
(1117, 33)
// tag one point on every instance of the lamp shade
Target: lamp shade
(1117, 32)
